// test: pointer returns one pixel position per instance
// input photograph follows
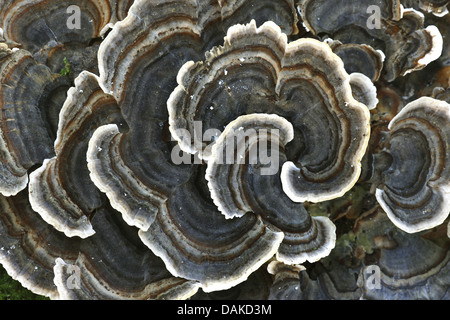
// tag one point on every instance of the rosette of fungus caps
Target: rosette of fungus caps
(415, 191)
(257, 80)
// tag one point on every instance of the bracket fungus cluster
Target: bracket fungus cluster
(200, 147)
(384, 25)
(53, 30)
(407, 267)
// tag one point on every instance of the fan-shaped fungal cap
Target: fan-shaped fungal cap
(138, 51)
(35, 24)
(65, 177)
(416, 188)
(324, 170)
(253, 139)
(137, 202)
(25, 93)
(359, 58)
(257, 71)
(433, 38)
(247, 158)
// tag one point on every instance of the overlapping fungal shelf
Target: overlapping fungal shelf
(248, 149)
